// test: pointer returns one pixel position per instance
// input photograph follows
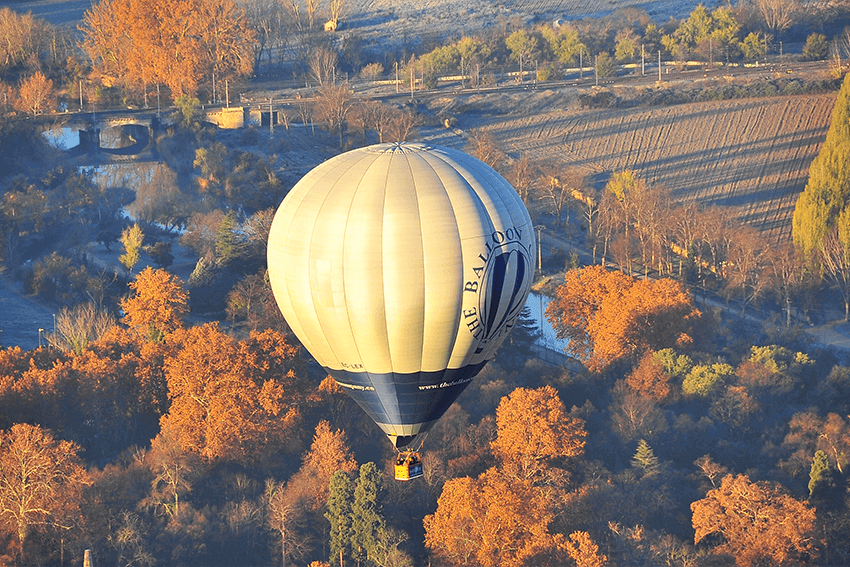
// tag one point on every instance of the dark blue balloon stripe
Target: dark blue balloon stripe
(397, 399)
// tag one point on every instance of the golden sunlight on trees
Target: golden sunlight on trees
(328, 453)
(41, 479)
(502, 517)
(178, 43)
(232, 401)
(583, 551)
(533, 432)
(158, 305)
(80, 325)
(826, 195)
(36, 95)
(758, 521)
(609, 316)
(132, 238)
(495, 519)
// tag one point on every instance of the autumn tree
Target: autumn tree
(565, 43)
(329, 453)
(809, 432)
(609, 316)
(584, 551)
(174, 471)
(535, 438)
(179, 43)
(233, 400)
(158, 305)
(23, 36)
(132, 238)
(41, 479)
(494, 519)
(757, 521)
(703, 31)
(36, 94)
(649, 378)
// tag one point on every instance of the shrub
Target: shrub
(703, 379)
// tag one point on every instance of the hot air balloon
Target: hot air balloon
(401, 268)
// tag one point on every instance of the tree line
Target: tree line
(131, 51)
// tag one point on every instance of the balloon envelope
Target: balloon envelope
(401, 268)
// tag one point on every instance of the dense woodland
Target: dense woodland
(178, 423)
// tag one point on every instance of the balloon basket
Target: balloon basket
(408, 465)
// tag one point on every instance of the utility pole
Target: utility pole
(596, 69)
(659, 65)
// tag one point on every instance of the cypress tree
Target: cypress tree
(227, 245)
(827, 191)
(366, 518)
(339, 516)
(824, 484)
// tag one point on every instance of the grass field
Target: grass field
(750, 155)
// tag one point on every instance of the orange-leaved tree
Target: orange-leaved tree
(757, 521)
(229, 400)
(534, 435)
(495, 519)
(158, 305)
(41, 480)
(328, 453)
(177, 43)
(609, 316)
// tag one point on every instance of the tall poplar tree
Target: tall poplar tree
(339, 516)
(827, 192)
(366, 518)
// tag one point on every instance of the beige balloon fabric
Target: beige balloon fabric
(401, 268)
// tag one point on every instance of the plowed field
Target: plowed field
(750, 155)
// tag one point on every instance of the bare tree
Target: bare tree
(554, 187)
(312, 8)
(40, 477)
(272, 22)
(335, 10)
(521, 175)
(777, 15)
(36, 94)
(80, 325)
(745, 270)
(322, 62)
(285, 515)
(835, 257)
(332, 106)
(787, 275)
(403, 125)
(483, 145)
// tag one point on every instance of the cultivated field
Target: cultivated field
(751, 155)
